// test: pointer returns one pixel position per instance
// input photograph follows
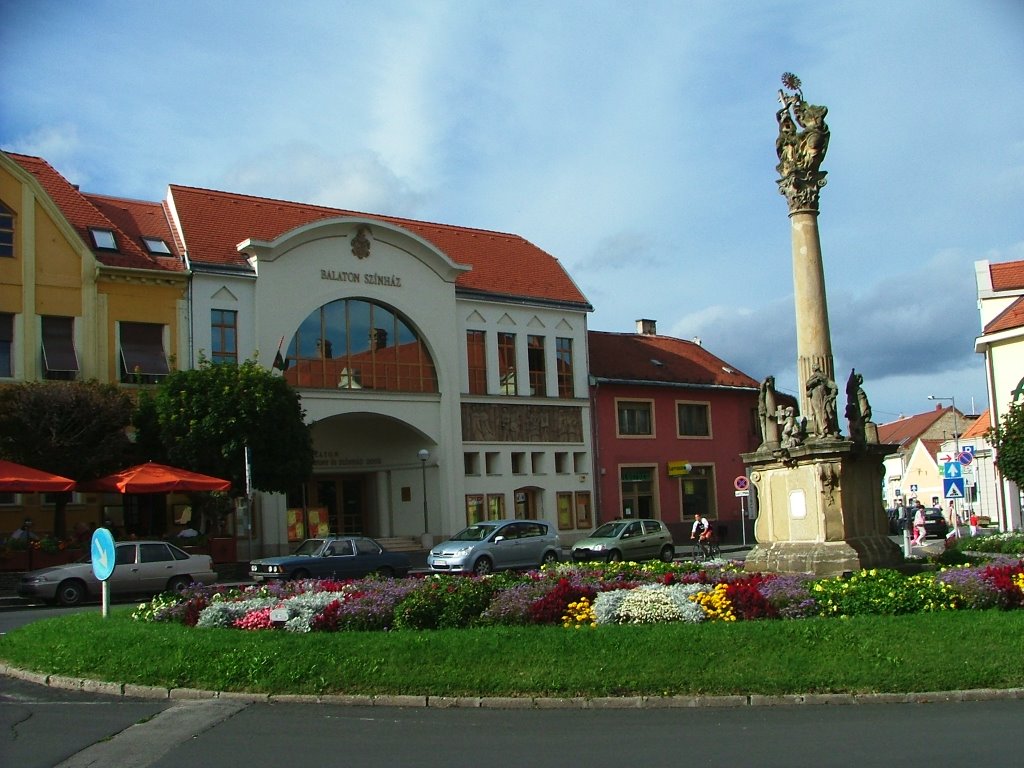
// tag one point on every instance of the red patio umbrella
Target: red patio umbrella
(17, 478)
(155, 478)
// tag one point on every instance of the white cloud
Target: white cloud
(358, 181)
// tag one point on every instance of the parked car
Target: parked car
(935, 523)
(628, 539)
(495, 545)
(332, 557)
(141, 567)
(896, 520)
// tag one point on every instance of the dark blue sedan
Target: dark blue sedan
(332, 557)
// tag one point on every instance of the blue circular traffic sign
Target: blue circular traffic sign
(103, 556)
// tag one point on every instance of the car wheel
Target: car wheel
(483, 566)
(178, 584)
(385, 571)
(300, 574)
(550, 558)
(70, 592)
(668, 553)
(615, 556)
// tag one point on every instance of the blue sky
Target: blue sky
(633, 140)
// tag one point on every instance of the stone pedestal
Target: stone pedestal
(820, 509)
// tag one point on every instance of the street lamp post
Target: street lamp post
(956, 443)
(423, 455)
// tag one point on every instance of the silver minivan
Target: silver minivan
(494, 545)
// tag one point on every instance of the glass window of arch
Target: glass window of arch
(358, 344)
(563, 363)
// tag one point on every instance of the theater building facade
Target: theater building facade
(443, 370)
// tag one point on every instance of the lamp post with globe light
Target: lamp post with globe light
(423, 455)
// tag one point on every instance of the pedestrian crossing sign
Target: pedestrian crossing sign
(953, 487)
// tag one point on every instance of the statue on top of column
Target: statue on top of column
(800, 151)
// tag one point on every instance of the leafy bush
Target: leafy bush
(550, 608)
(569, 595)
(444, 602)
(883, 592)
(649, 604)
(747, 600)
(1010, 543)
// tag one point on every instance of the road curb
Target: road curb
(130, 690)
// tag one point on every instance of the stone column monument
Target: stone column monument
(819, 493)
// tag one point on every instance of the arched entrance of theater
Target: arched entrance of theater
(368, 477)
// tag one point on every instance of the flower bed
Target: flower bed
(587, 595)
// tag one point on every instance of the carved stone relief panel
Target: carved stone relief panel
(503, 423)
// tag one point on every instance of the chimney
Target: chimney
(647, 327)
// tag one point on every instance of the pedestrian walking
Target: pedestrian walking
(919, 531)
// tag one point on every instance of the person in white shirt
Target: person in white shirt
(701, 532)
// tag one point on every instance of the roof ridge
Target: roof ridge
(316, 206)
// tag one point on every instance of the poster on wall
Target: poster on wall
(296, 524)
(565, 516)
(474, 508)
(583, 518)
(318, 522)
(496, 506)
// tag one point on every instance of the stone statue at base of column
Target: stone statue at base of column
(822, 392)
(858, 410)
(766, 412)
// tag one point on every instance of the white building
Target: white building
(1001, 306)
(443, 369)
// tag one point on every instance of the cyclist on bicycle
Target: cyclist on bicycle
(701, 533)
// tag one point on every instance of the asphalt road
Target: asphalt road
(70, 729)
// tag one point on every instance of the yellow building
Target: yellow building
(91, 287)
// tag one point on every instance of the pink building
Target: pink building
(670, 421)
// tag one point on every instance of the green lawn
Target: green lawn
(920, 652)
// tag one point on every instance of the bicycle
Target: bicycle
(705, 550)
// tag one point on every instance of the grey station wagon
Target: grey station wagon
(626, 540)
(494, 545)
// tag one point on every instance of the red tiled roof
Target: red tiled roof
(932, 448)
(83, 214)
(979, 427)
(641, 358)
(1010, 318)
(907, 430)
(138, 219)
(1008, 276)
(214, 223)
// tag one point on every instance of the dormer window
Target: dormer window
(156, 245)
(103, 239)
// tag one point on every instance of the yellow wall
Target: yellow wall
(58, 270)
(10, 269)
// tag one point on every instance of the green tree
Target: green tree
(71, 428)
(1008, 438)
(208, 415)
